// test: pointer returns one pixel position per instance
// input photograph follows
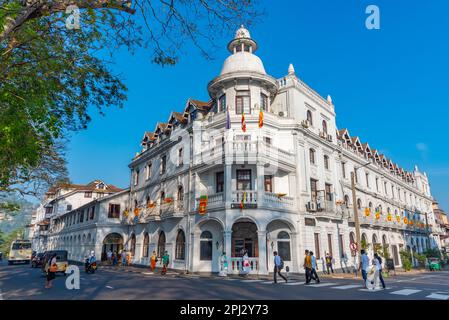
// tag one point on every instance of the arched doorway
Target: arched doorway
(244, 238)
(113, 242)
(161, 244)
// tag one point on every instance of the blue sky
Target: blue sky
(389, 86)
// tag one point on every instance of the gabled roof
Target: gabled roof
(91, 186)
(178, 117)
(147, 137)
(202, 105)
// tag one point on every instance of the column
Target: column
(262, 240)
(260, 184)
(294, 251)
(228, 185)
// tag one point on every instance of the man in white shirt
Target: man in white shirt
(378, 264)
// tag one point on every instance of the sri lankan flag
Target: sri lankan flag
(260, 118)
(243, 123)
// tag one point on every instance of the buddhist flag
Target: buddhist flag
(228, 119)
(243, 201)
(260, 118)
(243, 123)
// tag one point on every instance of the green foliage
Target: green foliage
(406, 259)
(8, 239)
(432, 253)
(421, 258)
(365, 246)
(384, 252)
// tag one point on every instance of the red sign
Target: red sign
(353, 246)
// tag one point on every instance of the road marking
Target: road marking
(231, 279)
(326, 284)
(147, 273)
(405, 292)
(349, 286)
(268, 282)
(293, 283)
(109, 287)
(439, 296)
(251, 281)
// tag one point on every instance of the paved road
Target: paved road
(23, 282)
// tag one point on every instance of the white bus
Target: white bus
(20, 251)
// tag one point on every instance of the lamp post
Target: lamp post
(356, 213)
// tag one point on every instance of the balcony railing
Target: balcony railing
(236, 265)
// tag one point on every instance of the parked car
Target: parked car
(37, 260)
(434, 264)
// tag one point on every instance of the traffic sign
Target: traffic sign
(353, 246)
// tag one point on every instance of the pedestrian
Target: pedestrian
(246, 266)
(109, 256)
(329, 263)
(223, 265)
(278, 266)
(313, 273)
(307, 266)
(153, 261)
(344, 263)
(123, 258)
(51, 271)
(165, 261)
(356, 266)
(114, 258)
(364, 266)
(128, 258)
(378, 264)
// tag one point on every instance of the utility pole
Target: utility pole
(356, 215)
(356, 212)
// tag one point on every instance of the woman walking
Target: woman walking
(51, 271)
(153, 261)
(378, 263)
(246, 264)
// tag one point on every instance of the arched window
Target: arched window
(324, 126)
(359, 204)
(162, 197)
(148, 200)
(384, 240)
(146, 243)
(364, 245)
(89, 238)
(283, 242)
(135, 203)
(375, 243)
(180, 246)
(133, 244)
(346, 201)
(312, 156)
(309, 117)
(206, 246)
(180, 197)
(161, 244)
(351, 237)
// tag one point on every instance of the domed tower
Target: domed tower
(243, 85)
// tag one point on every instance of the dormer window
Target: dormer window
(101, 186)
(324, 127)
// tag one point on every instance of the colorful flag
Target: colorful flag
(228, 119)
(243, 123)
(260, 118)
(243, 201)
(203, 205)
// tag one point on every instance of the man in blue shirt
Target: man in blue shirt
(314, 274)
(278, 265)
(364, 265)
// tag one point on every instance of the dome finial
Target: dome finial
(329, 99)
(291, 69)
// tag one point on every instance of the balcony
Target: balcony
(251, 151)
(325, 209)
(236, 265)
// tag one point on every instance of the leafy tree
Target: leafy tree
(406, 258)
(8, 239)
(50, 76)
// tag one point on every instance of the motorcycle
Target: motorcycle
(90, 267)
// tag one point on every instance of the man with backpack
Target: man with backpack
(278, 266)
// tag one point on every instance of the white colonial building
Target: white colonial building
(275, 170)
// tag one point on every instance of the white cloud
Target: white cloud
(422, 147)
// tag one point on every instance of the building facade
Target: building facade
(260, 167)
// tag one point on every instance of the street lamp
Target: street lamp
(356, 213)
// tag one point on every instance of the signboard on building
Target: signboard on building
(245, 206)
